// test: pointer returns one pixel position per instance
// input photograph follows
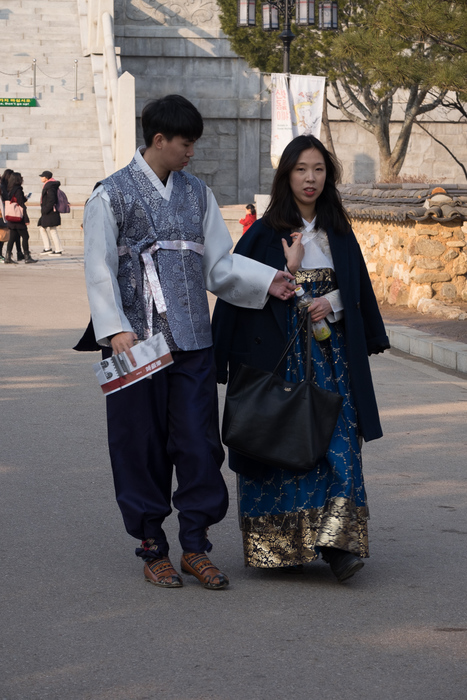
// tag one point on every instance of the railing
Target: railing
(57, 81)
(97, 36)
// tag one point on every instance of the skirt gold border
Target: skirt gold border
(271, 541)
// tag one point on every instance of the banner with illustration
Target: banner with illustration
(296, 109)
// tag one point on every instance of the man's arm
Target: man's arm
(101, 269)
(239, 280)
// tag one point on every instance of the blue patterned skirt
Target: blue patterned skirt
(285, 518)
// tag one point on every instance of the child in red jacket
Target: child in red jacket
(249, 219)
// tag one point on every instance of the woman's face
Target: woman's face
(307, 180)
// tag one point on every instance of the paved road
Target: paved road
(79, 622)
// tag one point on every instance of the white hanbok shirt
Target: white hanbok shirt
(235, 278)
(318, 255)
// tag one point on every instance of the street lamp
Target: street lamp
(304, 16)
(327, 15)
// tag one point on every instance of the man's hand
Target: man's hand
(283, 286)
(123, 342)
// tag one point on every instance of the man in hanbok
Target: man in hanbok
(155, 241)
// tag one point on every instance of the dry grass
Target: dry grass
(410, 178)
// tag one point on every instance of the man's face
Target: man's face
(176, 153)
(43, 179)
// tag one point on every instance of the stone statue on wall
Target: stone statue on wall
(198, 13)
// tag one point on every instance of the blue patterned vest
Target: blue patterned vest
(160, 246)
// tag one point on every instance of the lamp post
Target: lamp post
(304, 16)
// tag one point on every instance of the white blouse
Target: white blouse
(318, 255)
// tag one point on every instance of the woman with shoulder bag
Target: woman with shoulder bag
(288, 519)
(18, 229)
(4, 196)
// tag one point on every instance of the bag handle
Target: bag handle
(308, 347)
(303, 315)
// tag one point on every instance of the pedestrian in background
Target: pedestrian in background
(4, 197)
(18, 229)
(50, 217)
(249, 219)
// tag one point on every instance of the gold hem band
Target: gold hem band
(271, 541)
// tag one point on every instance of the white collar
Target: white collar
(309, 225)
(309, 231)
(165, 192)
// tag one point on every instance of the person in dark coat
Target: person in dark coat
(50, 217)
(4, 197)
(18, 230)
(289, 519)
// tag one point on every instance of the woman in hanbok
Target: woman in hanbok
(288, 519)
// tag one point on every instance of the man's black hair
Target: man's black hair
(172, 115)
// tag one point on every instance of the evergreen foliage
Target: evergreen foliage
(390, 60)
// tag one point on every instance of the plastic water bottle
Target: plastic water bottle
(321, 330)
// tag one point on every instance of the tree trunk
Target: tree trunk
(327, 129)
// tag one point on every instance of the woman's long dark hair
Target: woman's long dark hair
(6, 175)
(15, 180)
(283, 213)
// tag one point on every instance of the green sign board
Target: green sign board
(18, 102)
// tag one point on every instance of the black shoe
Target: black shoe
(28, 259)
(9, 260)
(19, 257)
(343, 564)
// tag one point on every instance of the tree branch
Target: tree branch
(350, 115)
(461, 165)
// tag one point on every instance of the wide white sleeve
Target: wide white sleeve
(234, 278)
(337, 306)
(101, 267)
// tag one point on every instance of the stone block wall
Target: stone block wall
(179, 48)
(408, 261)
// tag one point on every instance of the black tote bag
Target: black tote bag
(282, 424)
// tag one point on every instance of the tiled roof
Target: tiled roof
(407, 201)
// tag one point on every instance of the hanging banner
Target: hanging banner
(296, 109)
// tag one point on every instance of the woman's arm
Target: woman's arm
(294, 253)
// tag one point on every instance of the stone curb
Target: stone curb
(440, 351)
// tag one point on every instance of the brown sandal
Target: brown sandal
(160, 572)
(198, 565)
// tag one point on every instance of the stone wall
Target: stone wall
(409, 261)
(173, 47)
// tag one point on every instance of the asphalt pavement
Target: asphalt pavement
(78, 621)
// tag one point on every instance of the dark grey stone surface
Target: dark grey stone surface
(79, 622)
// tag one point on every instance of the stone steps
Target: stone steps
(61, 134)
(22, 152)
(70, 231)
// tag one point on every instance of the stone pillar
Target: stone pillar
(248, 159)
(125, 146)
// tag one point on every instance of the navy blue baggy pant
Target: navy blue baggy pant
(169, 420)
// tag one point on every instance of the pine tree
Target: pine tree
(389, 60)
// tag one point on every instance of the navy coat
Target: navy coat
(50, 217)
(257, 337)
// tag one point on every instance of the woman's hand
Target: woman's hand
(319, 309)
(295, 252)
(123, 342)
